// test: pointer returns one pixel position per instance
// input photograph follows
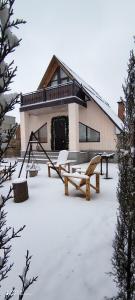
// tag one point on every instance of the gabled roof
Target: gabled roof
(86, 87)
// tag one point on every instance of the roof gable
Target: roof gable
(59, 77)
(89, 91)
(51, 70)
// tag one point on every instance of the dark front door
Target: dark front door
(60, 133)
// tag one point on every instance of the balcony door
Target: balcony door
(59, 138)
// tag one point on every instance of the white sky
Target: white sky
(93, 38)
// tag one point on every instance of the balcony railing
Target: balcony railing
(51, 93)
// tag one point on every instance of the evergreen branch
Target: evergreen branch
(9, 296)
(26, 283)
(8, 44)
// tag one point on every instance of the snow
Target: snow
(76, 175)
(19, 180)
(70, 238)
(52, 101)
(4, 14)
(32, 167)
(11, 40)
(62, 157)
(95, 96)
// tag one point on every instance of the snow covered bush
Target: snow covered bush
(123, 259)
(8, 44)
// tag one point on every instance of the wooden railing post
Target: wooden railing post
(73, 88)
(44, 94)
(21, 99)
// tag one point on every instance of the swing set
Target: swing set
(29, 151)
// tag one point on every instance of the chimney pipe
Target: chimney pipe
(121, 109)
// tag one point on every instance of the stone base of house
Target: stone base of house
(77, 156)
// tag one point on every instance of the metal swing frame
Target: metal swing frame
(29, 151)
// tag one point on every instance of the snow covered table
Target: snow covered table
(20, 189)
(106, 156)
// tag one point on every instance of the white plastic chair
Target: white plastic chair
(61, 163)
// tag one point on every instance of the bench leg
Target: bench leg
(66, 186)
(97, 183)
(87, 189)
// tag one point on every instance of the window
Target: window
(60, 77)
(88, 134)
(55, 77)
(62, 74)
(41, 134)
(82, 133)
(54, 80)
(54, 83)
(64, 80)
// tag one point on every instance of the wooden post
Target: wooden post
(10, 176)
(73, 87)
(66, 185)
(44, 94)
(97, 183)
(25, 155)
(59, 169)
(88, 189)
(33, 134)
(20, 189)
(49, 173)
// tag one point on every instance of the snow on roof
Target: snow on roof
(95, 96)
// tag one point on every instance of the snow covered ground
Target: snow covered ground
(70, 239)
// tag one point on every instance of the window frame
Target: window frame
(86, 140)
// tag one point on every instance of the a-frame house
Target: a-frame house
(66, 113)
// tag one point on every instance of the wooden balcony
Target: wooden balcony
(63, 91)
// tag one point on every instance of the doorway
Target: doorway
(59, 134)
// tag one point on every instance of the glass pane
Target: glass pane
(41, 134)
(82, 133)
(62, 74)
(55, 77)
(36, 134)
(65, 80)
(92, 135)
(54, 83)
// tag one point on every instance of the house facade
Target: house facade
(66, 113)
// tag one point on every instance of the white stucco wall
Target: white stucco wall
(95, 118)
(91, 116)
(73, 115)
(34, 122)
(24, 129)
